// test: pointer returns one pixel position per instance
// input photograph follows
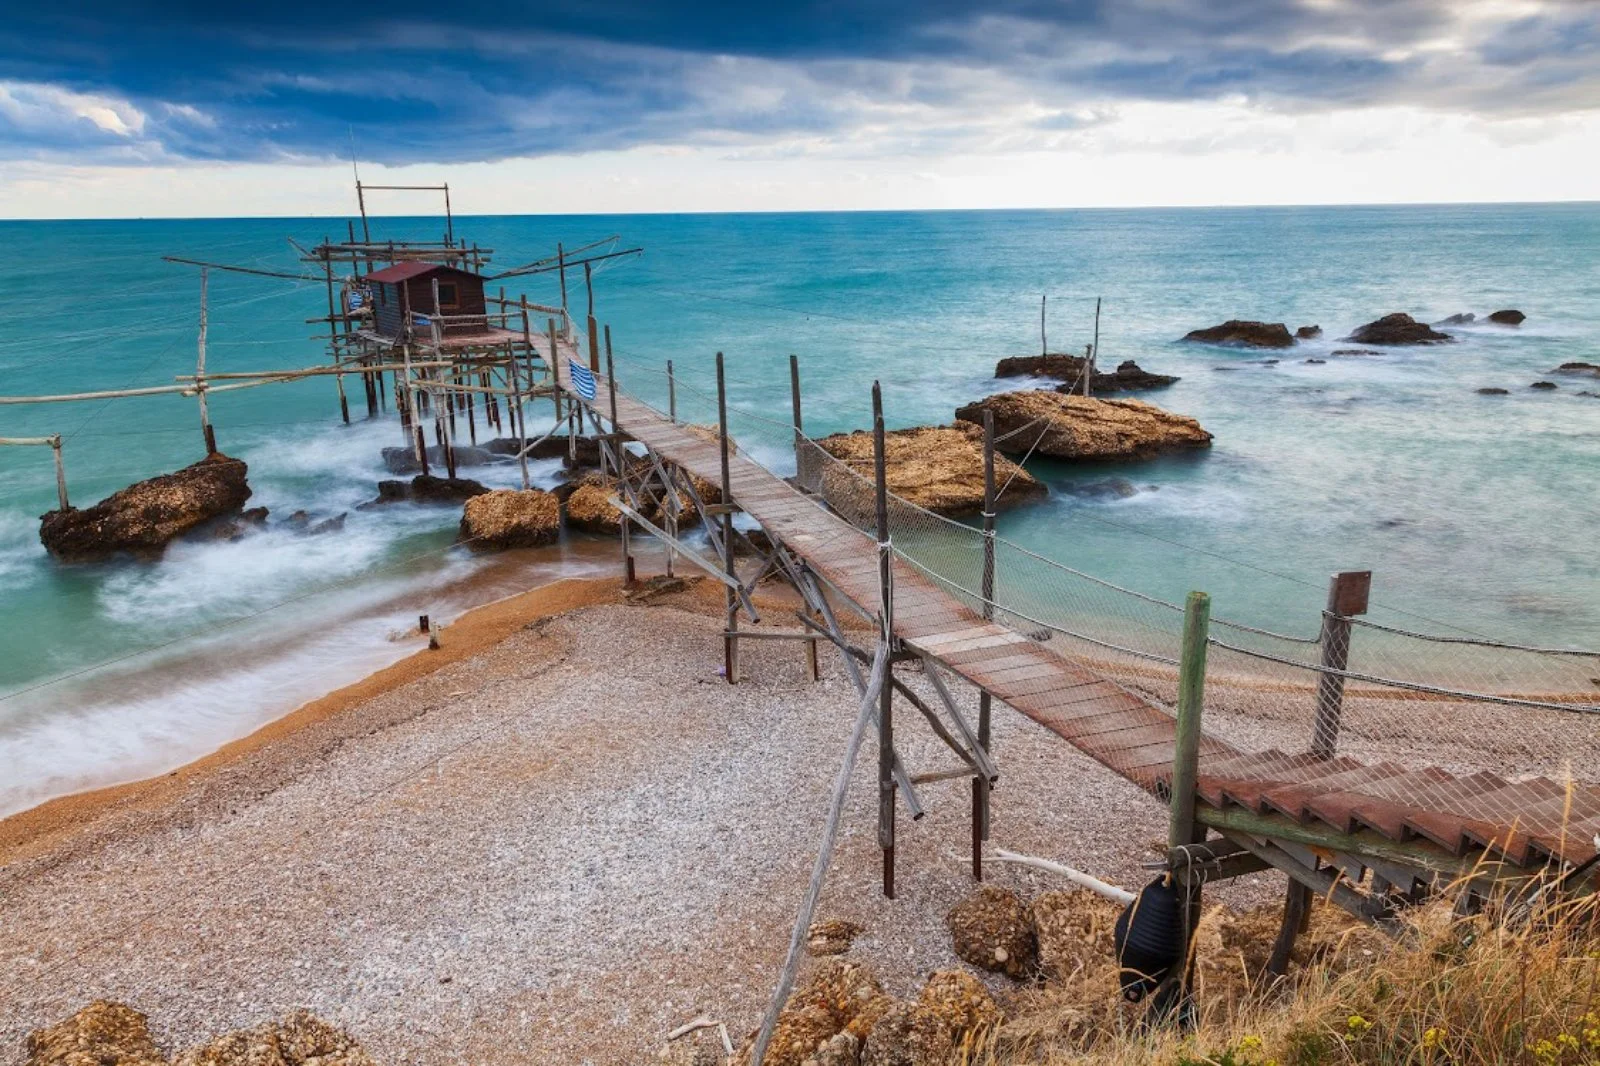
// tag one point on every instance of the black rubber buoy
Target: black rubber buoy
(1150, 939)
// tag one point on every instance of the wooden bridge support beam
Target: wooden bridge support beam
(886, 785)
(981, 784)
(730, 644)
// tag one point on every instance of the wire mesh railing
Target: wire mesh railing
(1452, 710)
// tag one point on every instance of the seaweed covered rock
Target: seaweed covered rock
(1078, 427)
(510, 518)
(936, 467)
(909, 1034)
(148, 515)
(993, 930)
(102, 1034)
(301, 1039)
(962, 1003)
(1395, 329)
(1240, 333)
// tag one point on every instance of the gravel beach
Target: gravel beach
(555, 847)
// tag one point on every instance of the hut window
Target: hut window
(447, 294)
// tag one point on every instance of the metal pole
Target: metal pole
(366, 232)
(730, 642)
(672, 394)
(1044, 347)
(1094, 349)
(616, 433)
(886, 783)
(449, 220)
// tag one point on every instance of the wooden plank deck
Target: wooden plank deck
(1519, 821)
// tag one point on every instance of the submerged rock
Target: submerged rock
(1244, 334)
(102, 1034)
(1114, 488)
(510, 518)
(936, 467)
(1458, 320)
(1078, 427)
(1508, 317)
(1493, 391)
(1128, 377)
(1395, 329)
(146, 516)
(1578, 368)
(1544, 385)
(992, 929)
(404, 460)
(1355, 351)
(1307, 333)
(1315, 362)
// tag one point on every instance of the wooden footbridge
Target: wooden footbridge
(1365, 836)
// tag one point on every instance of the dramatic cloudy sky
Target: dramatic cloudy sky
(179, 107)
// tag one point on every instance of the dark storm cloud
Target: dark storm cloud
(476, 81)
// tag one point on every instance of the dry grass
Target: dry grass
(1479, 989)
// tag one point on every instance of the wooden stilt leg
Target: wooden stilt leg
(1296, 912)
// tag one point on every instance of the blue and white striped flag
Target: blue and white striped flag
(582, 379)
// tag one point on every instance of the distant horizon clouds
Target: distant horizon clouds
(168, 107)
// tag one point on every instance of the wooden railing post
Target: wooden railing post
(799, 435)
(730, 642)
(672, 394)
(1191, 701)
(980, 783)
(886, 783)
(1347, 596)
(61, 471)
(620, 456)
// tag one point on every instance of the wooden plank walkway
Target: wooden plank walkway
(1524, 822)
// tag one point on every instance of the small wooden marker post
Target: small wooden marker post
(980, 783)
(61, 471)
(730, 641)
(886, 782)
(1182, 829)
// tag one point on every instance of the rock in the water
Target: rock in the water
(1544, 385)
(992, 930)
(936, 467)
(831, 936)
(1398, 328)
(589, 506)
(1112, 488)
(1508, 317)
(1493, 391)
(1242, 334)
(303, 524)
(1315, 362)
(961, 1002)
(1356, 351)
(1307, 333)
(1078, 427)
(404, 460)
(909, 1034)
(510, 518)
(1458, 320)
(1578, 368)
(301, 1039)
(102, 1034)
(1128, 376)
(145, 517)
(425, 488)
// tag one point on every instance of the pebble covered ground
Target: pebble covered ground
(554, 851)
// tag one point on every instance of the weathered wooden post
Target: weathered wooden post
(886, 782)
(61, 471)
(200, 370)
(1094, 351)
(625, 523)
(730, 642)
(672, 394)
(980, 783)
(1182, 828)
(1347, 596)
(519, 427)
(813, 667)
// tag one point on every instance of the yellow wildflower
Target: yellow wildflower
(1433, 1037)
(1357, 1024)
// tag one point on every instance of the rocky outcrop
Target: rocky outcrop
(510, 518)
(939, 468)
(1396, 329)
(1458, 320)
(145, 517)
(1306, 333)
(1238, 333)
(589, 507)
(993, 930)
(1078, 427)
(1129, 376)
(426, 488)
(1508, 317)
(102, 1034)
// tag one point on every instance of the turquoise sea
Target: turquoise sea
(1476, 513)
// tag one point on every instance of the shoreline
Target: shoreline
(46, 826)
